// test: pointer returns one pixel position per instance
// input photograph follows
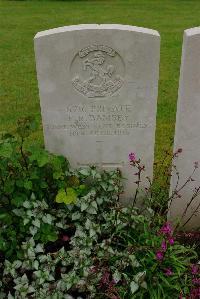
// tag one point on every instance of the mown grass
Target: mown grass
(21, 20)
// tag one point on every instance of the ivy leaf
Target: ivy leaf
(46, 233)
(31, 253)
(26, 220)
(38, 273)
(27, 204)
(31, 290)
(17, 264)
(36, 265)
(51, 237)
(88, 224)
(104, 186)
(33, 230)
(18, 200)
(39, 248)
(44, 159)
(24, 279)
(67, 197)
(134, 287)
(139, 277)
(92, 232)
(133, 260)
(76, 216)
(92, 211)
(47, 218)
(99, 200)
(144, 285)
(36, 223)
(58, 162)
(84, 171)
(84, 206)
(94, 205)
(33, 196)
(71, 196)
(117, 276)
(60, 196)
(10, 296)
(39, 155)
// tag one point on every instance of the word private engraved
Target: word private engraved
(97, 71)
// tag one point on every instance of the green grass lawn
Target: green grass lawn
(21, 20)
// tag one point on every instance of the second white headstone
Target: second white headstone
(187, 136)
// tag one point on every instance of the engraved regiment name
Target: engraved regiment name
(98, 71)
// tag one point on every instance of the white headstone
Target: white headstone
(98, 93)
(187, 133)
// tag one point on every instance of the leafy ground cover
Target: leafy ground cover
(21, 20)
(65, 234)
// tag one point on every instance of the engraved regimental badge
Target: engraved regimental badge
(97, 71)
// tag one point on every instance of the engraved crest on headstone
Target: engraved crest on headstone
(100, 72)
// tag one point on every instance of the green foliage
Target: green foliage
(27, 174)
(67, 197)
(64, 233)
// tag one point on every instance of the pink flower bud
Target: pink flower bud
(194, 269)
(164, 246)
(65, 238)
(171, 241)
(132, 157)
(168, 272)
(159, 255)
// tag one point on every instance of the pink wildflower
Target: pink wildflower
(195, 293)
(171, 241)
(132, 157)
(166, 229)
(168, 272)
(164, 245)
(194, 269)
(65, 238)
(178, 151)
(159, 255)
(105, 279)
(196, 281)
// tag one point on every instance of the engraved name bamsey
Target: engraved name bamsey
(100, 71)
(77, 120)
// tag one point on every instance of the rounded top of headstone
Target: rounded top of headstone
(192, 31)
(96, 27)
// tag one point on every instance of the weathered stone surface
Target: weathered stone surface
(98, 94)
(187, 133)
